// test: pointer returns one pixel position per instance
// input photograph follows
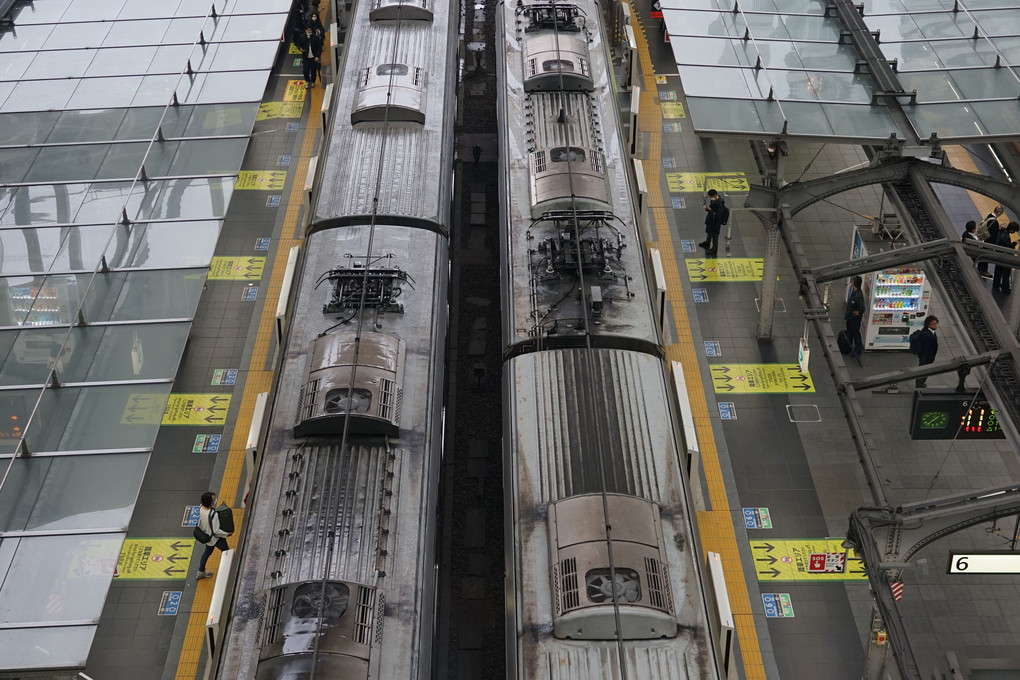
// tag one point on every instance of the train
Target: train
(603, 577)
(337, 571)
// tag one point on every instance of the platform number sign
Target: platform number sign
(777, 605)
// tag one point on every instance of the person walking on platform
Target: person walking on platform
(1002, 272)
(714, 220)
(312, 21)
(988, 231)
(310, 45)
(209, 522)
(855, 308)
(925, 344)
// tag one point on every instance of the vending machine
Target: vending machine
(897, 298)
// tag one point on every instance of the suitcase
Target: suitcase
(843, 340)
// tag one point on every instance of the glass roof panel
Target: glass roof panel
(998, 22)
(135, 352)
(254, 6)
(222, 119)
(15, 163)
(208, 157)
(145, 10)
(39, 95)
(937, 25)
(987, 83)
(807, 119)
(189, 198)
(86, 126)
(948, 120)
(812, 28)
(26, 361)
(724, 115)
(40, 250)
(88, 418)
(1010, 49)
(256, 27)
(37, 647)
(894, 27)
(48, 12)
(701, 81)
(931, 86)
(25, 39)
(67, 163)
(155, 91)
(44, 204)
(60, 63)
(128, 33)
(143, 295)
(158, 244)
(860, 121)
(828, 56)
(26, 128)
(103, 201)
(999, 118)
(93, 10)
(171, 59)
(208, 88)
(185, 31)
(705, 24)
(71, 492)
(14, 64)
(56, 578)
(72, 36)
(763, 26)
(123, 159)
(913, 56)
(120, 61)
(235, 56)
(95, 93)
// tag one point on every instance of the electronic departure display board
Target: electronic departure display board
(947, 414)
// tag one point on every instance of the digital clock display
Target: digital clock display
(945, 414)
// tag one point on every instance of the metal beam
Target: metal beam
(905, 374)
(890, 258)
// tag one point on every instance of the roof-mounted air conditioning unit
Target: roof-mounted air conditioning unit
(585, 585)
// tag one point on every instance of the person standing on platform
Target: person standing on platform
(925, 344)
(988, 231)
(968, 232)
(209, 522)
(855, 309)
(311, 50)
(1002, 272)
(716, 217)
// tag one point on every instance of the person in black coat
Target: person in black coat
(310, 45)
(713, 221)
(968, 232)
(927, 345)
(1002, 272)
(854, 316)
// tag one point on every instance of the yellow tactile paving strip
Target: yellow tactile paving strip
(258, 380)
(716, 525)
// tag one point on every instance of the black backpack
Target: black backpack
(226, 516)
(724, 214)
(915, 342)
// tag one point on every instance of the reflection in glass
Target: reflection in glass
(126, 296)
(58, 578)
(163, 244)
(86, 126)
(44, 204)
(67, 163)
(73, 492)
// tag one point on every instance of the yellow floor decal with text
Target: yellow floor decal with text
(673, 110)
(725, 269)
(261, 180)
(760, 379)
(197, 409)
(700, 182)
(236, 268)
(806, 559)
(155, 558)
(295, 91)
(280, 110)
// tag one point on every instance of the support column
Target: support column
(769, 286)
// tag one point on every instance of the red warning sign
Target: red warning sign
(826, 563)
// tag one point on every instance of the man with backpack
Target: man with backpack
(925, 344)
(209, 525)
(718, 215)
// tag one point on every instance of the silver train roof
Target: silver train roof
(416, 157)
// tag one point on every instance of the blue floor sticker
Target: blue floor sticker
(678, 202)
(250, 294)
(273, 201)
(727, 411)
(668, 162)
(206, 443)
(687, 245)
(712, 348)
(170, 602)
(191, 515)
(700, 294)
(292, 127)
(757, 518)
(263, 243)
(283, 161)
(777, 605)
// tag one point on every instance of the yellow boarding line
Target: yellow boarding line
(258, 380)
(716, 525)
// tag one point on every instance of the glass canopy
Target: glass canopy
(769, 67)
(122, 128)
